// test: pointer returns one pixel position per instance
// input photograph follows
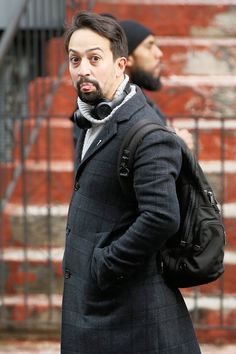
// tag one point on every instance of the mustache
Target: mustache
(84, 80)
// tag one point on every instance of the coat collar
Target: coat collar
(109, 130)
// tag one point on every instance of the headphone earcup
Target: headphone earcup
(80, 120)
(102, 110)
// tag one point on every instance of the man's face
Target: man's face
(94, 72)
(144, 64)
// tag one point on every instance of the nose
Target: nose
(158, 52)
(84, 68)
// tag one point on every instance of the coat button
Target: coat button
(76, 186)
(120, 277)
(67, 274)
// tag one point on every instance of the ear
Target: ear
(120, 66)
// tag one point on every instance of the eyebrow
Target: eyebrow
(87, 51)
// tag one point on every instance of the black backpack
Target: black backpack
(194, 256)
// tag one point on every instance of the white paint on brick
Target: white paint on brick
(203, 62)
(62, 210)
(204, 123)
(37, 210)
(30, 347)
(190, 41)
(41, 300)
(229, 210)
(193, 81)
(66, 166)
(201, 302)
(218, 166)
(53, 254)
(230, 257)
(52, 123)
(56, 253)
(53, 166)
(210, 302)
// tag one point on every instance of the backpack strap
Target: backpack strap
(128, 148)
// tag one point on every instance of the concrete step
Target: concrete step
(196, 18)
(30, 345)
(53, 347)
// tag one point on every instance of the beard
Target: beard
(92, 98)
(145, 80)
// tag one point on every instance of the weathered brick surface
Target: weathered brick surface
(60, 103)
(40, 277)
(36, 274)
(197, 96)
(223, 186)
(56, 52)
(190, 18)
(198, 56)
(44, 186)
(230, 225)
(53, 140)
(216, 144)
(34, 230)
(39, 315)
(181, 56)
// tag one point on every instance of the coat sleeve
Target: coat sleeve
(156, 168)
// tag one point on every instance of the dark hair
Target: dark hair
(104, 26)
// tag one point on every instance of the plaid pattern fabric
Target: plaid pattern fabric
(115, 301)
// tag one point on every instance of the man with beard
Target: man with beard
(144, 65)
(115, 299)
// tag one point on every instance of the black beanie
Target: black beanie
(135, 33)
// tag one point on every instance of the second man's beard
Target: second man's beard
(145, 80)
(92, 98)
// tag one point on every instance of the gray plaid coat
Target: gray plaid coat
(115, 300)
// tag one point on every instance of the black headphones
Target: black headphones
(101, 110)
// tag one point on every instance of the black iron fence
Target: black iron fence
(31, 71)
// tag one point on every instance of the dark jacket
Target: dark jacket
(115, 300)
(156, 109)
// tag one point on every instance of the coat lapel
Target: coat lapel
(106, 134)
(109, 130)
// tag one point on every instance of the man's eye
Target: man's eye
(74, 60)
(95, 59)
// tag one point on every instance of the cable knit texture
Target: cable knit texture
(97, 125)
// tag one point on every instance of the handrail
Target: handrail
(11, 30)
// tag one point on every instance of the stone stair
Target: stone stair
(199, 93)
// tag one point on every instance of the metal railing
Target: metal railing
(31, 71)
